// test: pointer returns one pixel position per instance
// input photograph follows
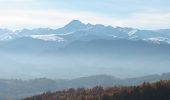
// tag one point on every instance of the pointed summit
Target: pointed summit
(73, 26)
(75, 23)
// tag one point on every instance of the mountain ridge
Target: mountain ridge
(76, 26)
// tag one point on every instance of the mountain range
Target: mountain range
(79, 49)
(77, 30)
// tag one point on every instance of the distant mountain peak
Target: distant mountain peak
(75, 23)
(73, 26)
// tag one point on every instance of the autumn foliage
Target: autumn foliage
(147, 91)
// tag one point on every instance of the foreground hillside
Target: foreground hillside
(146, 91)
(17, 89)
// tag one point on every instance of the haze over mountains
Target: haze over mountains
(79, 49)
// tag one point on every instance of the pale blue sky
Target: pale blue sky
(145, 14)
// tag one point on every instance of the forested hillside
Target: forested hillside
(147, 91)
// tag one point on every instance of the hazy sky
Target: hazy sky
(145, 14)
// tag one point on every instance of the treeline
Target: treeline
(147, 91)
